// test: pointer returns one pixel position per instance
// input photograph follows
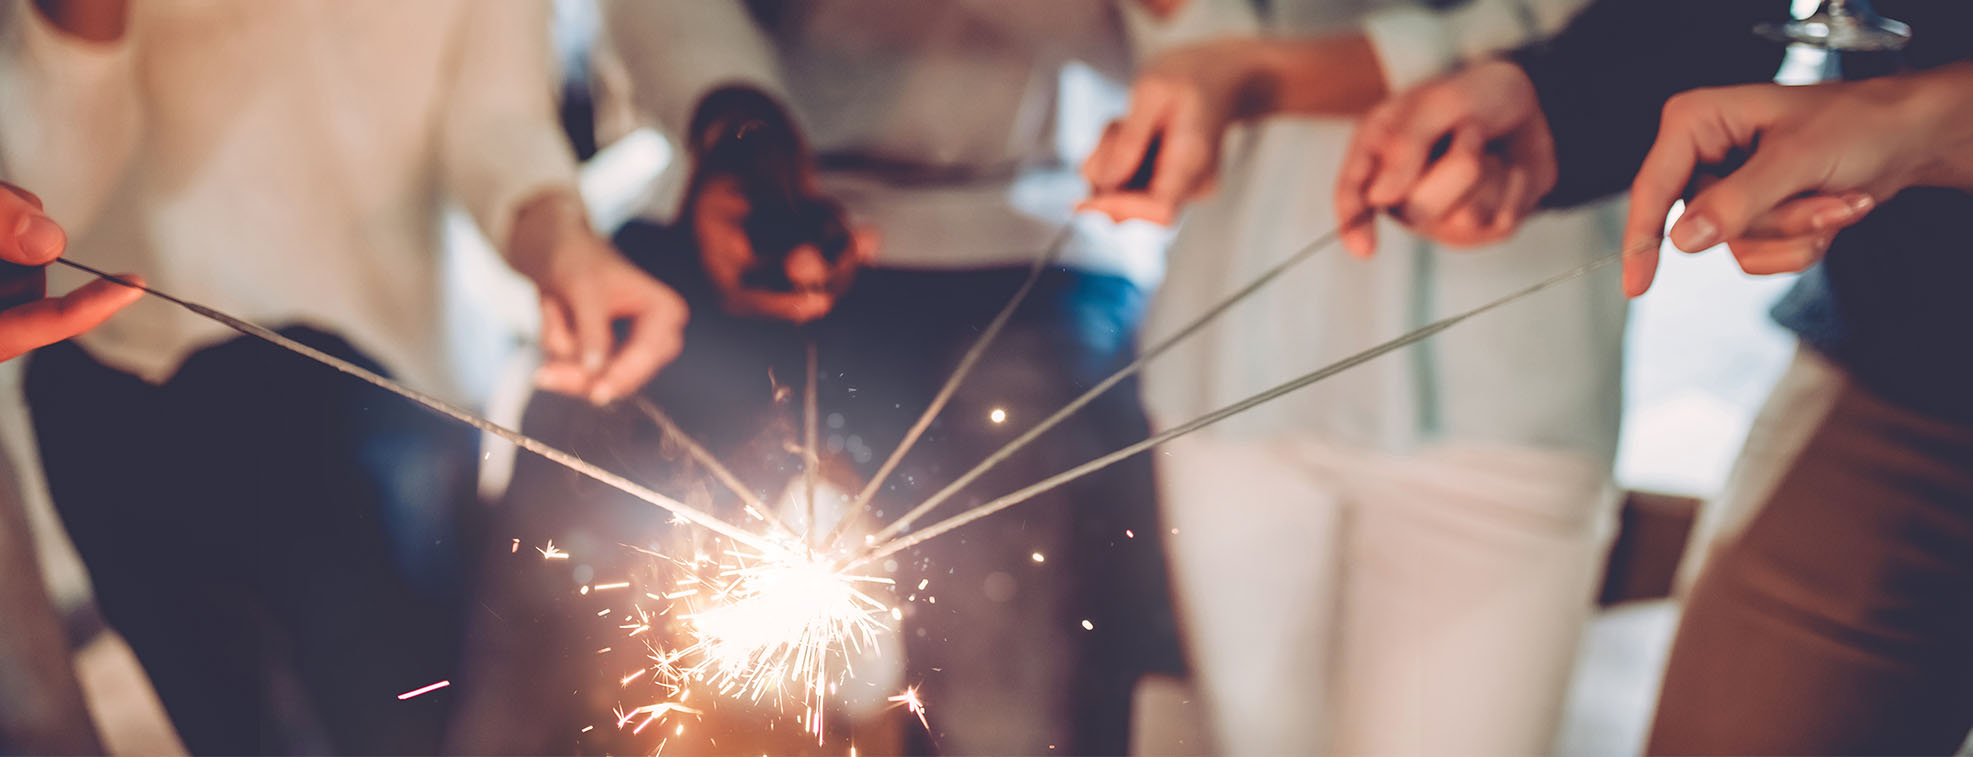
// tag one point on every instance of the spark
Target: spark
(617, 585)
(760, 624)
(997, 416)
(1038, 558)
(423, 690)
(911, 702)
(550, 552)
(1088, 626)
(517, 546)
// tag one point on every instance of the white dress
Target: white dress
(1397, 560)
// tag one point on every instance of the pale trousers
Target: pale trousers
(1343, 601)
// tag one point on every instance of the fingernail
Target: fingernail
(1830, 217)
(592, 361)
(601, 396)
(1695, 233)
(1861, 202)
(39, 235)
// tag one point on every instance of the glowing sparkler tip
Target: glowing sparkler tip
(1039, 558)
(1088, 626)
(997, 416)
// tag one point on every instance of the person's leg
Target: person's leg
(1468, 573)
(156, 548)
(41, 705)
(1004, 651)
(1255, 538)
(291, 454)
(1839, 620)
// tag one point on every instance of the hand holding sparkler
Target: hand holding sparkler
(1165, 151)
(586, 288)
(29, 239)
(770, 242)
(1817, 159)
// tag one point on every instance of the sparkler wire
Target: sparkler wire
(1049, 255)
(698, 452)
(1144, 356)
(811, 452)
(430, 402)
(1416, 335)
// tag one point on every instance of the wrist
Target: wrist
(1333, 75)
(1940, 102)
(540, 225)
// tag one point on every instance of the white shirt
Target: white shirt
(941, 116)
(285, 161)
(1541, 373)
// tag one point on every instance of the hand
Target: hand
(806, 287)
(1818, 159)
(28, 237)
(587, 287)
(1462, 159)
(770, 242)
(1185, 101)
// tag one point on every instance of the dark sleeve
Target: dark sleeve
(1604, 79)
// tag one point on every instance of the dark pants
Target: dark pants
(235, 524)
(1002, 657)
(1841, 620)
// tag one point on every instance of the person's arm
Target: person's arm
(1465, 157)
(1603, 81)
(503, 156)
(30, 239)
(768, 240)
(1208, 87)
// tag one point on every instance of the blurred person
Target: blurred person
(1439, 517)
(1836, 619)
(41, 705)
(875, 178)
(249, 518)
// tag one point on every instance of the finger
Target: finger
(1514, 202)
(1811, 216)
(27, 235)
(48, 321)
(1409, 142)
(590, 317)
(1149, 107)
(21, 192)
(1449, 182)
(557, 336)
(1127, 206)
(1726, 209)
(1354, 213)
(806, 269)
(655, 339)
(1661, 179)
(1764, 257)
(865, 242)
(1095, 167)
(1186, 156)
(562, 378)
(1640, 266)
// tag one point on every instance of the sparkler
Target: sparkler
(1412, 337)
(442, 407)
(777, 616)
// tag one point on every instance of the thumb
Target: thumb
(1729, 207)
